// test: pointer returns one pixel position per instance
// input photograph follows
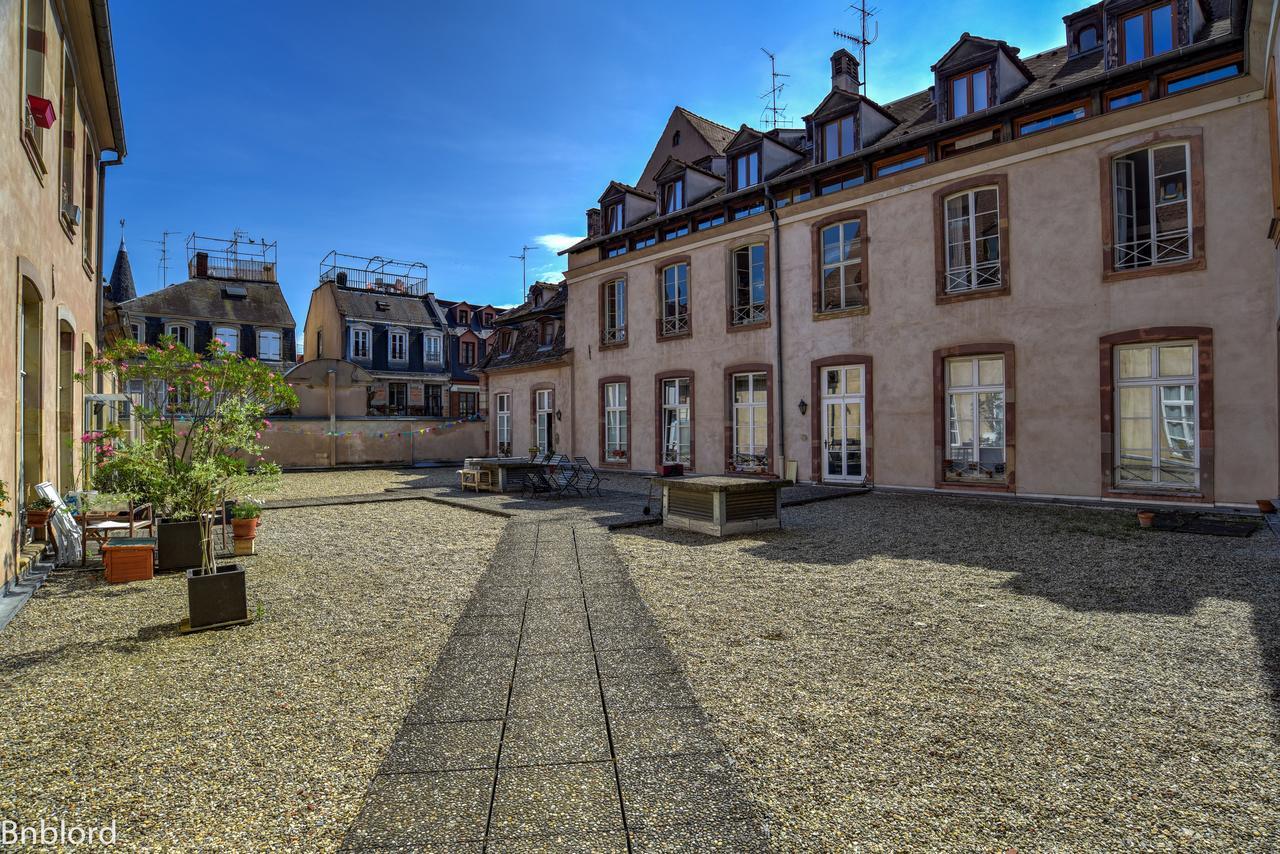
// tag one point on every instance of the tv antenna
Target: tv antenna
(523, 258)
(163, 264)
(773, 115)
(863, 41)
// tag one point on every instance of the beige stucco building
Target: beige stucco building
(59, 67)
(1044, 276)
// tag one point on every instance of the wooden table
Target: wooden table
(720, 505)
(501, 469)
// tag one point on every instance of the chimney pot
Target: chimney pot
(844, 72)
(593, 223)
(202, 265)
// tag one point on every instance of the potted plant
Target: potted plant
(202, 423)
(245, 518)
(1146, 518)
(38, 510)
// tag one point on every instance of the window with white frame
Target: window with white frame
(973, 240)
(615, 422)
(544, 420)
(269, 345)
(228, 335)
(750, 423)
(1152, 199)
(675, 299)
(615, 312)
(398, 345)
(748, 285)
(1157, 413)
(673, 196)
(360, 341)
(502, 420)
(842, 266)
(181, 332)
(432, 349)
(138, 332)
(676, 432)
(975, 412)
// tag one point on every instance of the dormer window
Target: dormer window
(464, 317)
(970, 92)
(1146, 33)
(838, 139)
(746, 170)
(613, 218)
(1087, 39)
(673, 196)
(537, 298)
(506, 341)
(546, 334)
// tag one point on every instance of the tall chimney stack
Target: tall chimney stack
(593, 222)
(844, 72)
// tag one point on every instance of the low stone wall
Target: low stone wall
(305, 443)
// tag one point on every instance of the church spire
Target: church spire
(121, 286)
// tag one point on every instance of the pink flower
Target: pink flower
(258, 435)
(173, 388)
(266, 423)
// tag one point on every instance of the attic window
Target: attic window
(1147, 32)
(537, 297)
(970, 92)
(675, 139)
(838, 138)
(234, 292)
(382, 305)
(673, 196)
(746, 170)
(1087, 38)
(644, 241)
(613, 218)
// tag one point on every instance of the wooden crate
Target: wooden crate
(129, 560)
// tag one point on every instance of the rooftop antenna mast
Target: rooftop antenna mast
(523, 258)
(163, 264)
(774, 116)
(862, 41)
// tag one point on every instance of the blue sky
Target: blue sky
(454, 133)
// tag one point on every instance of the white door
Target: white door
(545, 421)
(843, 424)
(502, 403)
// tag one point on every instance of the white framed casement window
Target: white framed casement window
(502, 422)
(673, 196)
(676, 432)
(975, 412)
(615, 422)
(544, 420)
(183, 333)
(842, 266)
(138, 332)
(1157, 413)
(675, 299)
(269, 341)
(748, 285)
(615, 312)
(973, 240)
(750, 423)
(360, 341)
(228, 335)
(1152, 203)
(398, 345)
(431, 348)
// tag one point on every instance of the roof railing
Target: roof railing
(385, 275)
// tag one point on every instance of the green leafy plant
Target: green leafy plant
(201, 423)
(4, 499)
(39, 503)
(249, 509)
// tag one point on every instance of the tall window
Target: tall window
(544, 420)
(1156, 415)
(676, 432)
(615, 422)
(1152, 207)
(748, 285)
(34, 72)
(67, 117)
(181, 332)
(975, 419)
(360, 342)
(546, 334)
(842, 285)
(468, 403)
(838, 138)
(228, 335)
(1148, 32)
(675, 299)
(269, 345)
(464, 317)
(613, 218)
(750, 423)
(970, 92)
(398, 346)
(502, 421)
(615, 312)
(673, 196)
(90, 176)
(468, 350)
(319, 343)
(431, 349)
(973, 240)
(746, 170)
(397, 398)
(138, 332)
(435, 401)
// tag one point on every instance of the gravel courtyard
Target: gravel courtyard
(900, 672)
(262, 737)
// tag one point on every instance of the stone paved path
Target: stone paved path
(556, 719)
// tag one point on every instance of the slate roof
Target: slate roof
(263, 305)
(716, 134)
(401, 308)
(526, 351)
(121, 287)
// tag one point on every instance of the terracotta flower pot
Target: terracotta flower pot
(1265, 506)
(1146, 518)
(38, 518)
(244, 529)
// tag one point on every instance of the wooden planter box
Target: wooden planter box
(129, 559)
(721, 506)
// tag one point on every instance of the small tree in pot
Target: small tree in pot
(202, 421)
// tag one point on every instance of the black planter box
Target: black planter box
(216, 599)
(178, 545)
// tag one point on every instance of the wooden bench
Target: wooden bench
(477, 479)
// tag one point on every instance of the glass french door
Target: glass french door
(544, 421)
(843, 424)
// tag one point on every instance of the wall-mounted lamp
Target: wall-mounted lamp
(804, 407)
(557, 414)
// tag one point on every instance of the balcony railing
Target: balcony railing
(374, 274)
(984, 275)
(614, 335)
(744, 315)
(1169, 247)
(676, 324)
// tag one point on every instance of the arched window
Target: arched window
(1087, 38)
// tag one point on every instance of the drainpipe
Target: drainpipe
(99, 307)
(777, 328)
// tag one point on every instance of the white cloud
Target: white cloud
(556, 242)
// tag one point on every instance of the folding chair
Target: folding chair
(590, 478)
(535, 482)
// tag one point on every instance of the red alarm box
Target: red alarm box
(671, 470)
(41, 111)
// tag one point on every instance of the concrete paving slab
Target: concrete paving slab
(556, 799)
(453, 746)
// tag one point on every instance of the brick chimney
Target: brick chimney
(593, 223)
(202, 265)
(844, 72)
